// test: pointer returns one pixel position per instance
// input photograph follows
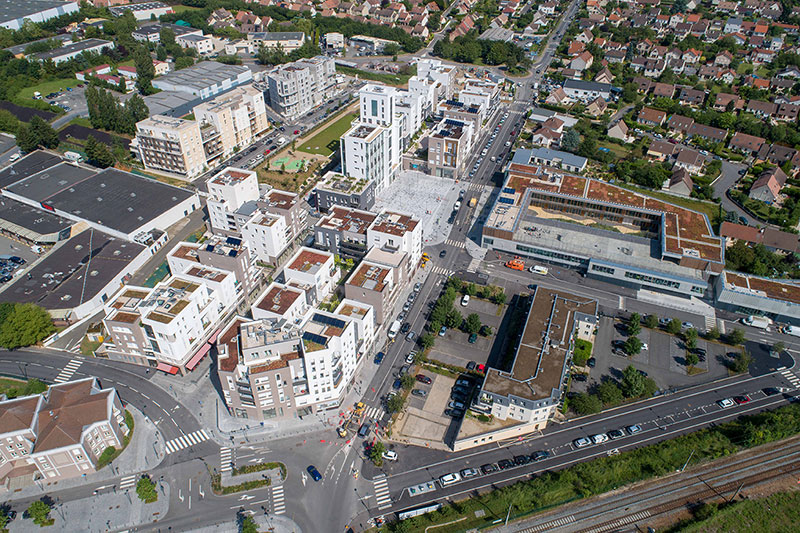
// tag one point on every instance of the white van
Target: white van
(536, 269)
(449, 479)
(393, 329)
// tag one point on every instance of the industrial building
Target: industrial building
(205, 79)
(13, 14)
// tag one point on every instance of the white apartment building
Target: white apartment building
(369, 154)
(314, 271)
(397, 232)
(298, 87)
(267, 234)
(203, 44)
(443, 75)
(224, 253)
(229, 190)
(281, 302)
(169, 326)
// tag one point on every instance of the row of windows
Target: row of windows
(652, 279)
(554, 255)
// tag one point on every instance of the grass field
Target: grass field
(48, 87)
(326, 141)
(383, 77)
(6, 384)
(776, 513)
(180, 8)
(81, 121)
(710, 209)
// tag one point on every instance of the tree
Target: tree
(741, 363)
(395, 403)
(263, 54)
(633, 384)
(183, 62)
(161, 53)
(426, 341)
(25, 139)
(27, 324)
(779, 347)
(470, 289)
(713, 334)
(674, 326)
(499, 298)
(39, 511)
(376, 453)
(691, 358)
(651, 321)
(690, 335)
(407, 381)
(609, 393)
(736, 337)
(454, 319)
(585, 404)
(98, 153)
(691, 343)
(391, 49)
(473, 324)
(632, 346)
(246, 523)
(146, 490)
(434, 21)
(167, 36)
(145, 70)
(634, 325)
(571, 140)
(44, 133)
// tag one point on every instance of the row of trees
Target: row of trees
(469, 49)
(611, 392)
(106, 111)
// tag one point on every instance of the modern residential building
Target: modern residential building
(448, 148)
(142, 10)
(239, 115)
(168, 327)
(344, 232)
(205, 79)
(335, 189)
(370, 154)
(314, 271)
(298, 87)
(586, 91)
(58, 434)
(202, 44)
(288, 41)
(228, 191)
(373, 284)
(281, 302)
(397, 232)
(14, 14)
(175, 145)
(223, 253)
(527, 396)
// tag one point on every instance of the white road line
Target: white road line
(68, 371)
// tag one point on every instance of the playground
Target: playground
(287, 163)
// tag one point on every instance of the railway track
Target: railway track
(709, 481)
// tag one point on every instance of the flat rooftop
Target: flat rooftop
(394, 223)
(113, 198)
(27, 166)
(281, 199)
(155, 29)
(141, 6)
(349, 220)
(363, 131)
(335, 182)
(278, 298)
(171, 103)
(232, 176)
(12, 10)
(782, 290)
(72, 48)
(59, 279)
(309, 261)
(29, 222)
(203, 75)
(542, 351)
(370, 277)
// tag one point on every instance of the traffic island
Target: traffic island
(248, 477)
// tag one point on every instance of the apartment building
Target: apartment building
(174, 145)
(443, 75)
(229, 190)
(240, 117)
(344, 232)
(220, 252)
(373, 284)
(281, 302)
(314, 271)
(448, 148)
(58, 434)
(169, 326)
(298, 87)
(397, 232)
(288, 41)
(202, 44)
(370, 154)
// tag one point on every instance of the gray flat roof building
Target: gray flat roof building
(204, 79)
(32, 225)
(71, 50)
(27, 166)
(13, 12)
(20, 48)
(152, 32)
(171, 103)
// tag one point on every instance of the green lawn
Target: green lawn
(327, 139)
(710, 209)
(180, 8)
(48, 87)
(81, 121)
(7, 384)
(778, 512)
(387, 78)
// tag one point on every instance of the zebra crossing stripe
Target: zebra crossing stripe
(382, 497)
(127, 482)
(67, 372)
(188, 440)
(278, 503)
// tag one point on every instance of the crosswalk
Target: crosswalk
(382, 498)
(191, 439)
(792, 378)
(475, 187)
(225, 459)
(278, 501)
(373, 412)
(442, 270)
(456, 244)
(127, 482)
(66, 374)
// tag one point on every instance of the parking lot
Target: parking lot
(664, 360)
(454, 347)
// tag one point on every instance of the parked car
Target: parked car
(520, 460)
(442, 331)
(591, 362)
(616, 434)
(454, 413)
(489, 468)
(504, 464)
(770, 391)
(463, 382)
(600, 438)
(455, 405)
(405, 328)
(581, 442)
(468, 473)
(411, 336)
(725, 403)
(740, 400)
(540, 455)
(397, 384)
(422, 378)
(419, 392)
(410, 357)
(443, 253)
(379, 357)
(471, 364)
(633, 429)
(389, 455)
(473, 338)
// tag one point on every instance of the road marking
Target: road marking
(68, 371)
(127, 482)
(180, 443)
(278, 501)
(382, 497)
(456, 244)
(225, 459)
(441, 270)
(792, 378)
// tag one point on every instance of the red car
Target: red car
(741, 399)
(296, 132)
(422, 378)
(266, 151)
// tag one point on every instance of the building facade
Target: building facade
(298, 87)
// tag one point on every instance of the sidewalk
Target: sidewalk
(103, 512)
(144, 452)
(274, 523)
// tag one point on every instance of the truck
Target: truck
(760, 322)
(473, 201)
(516, 264)
(792, 330)
(394, 329)
(37, 95)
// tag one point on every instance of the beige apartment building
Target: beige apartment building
(448, 149)
(189, 147)
(58, 434)
(298, 87)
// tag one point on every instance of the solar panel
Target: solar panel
(233, 253)
(233, 241)
(330, 321)
(508, 190)
(209, 247)
(505, 200)
(313, 337)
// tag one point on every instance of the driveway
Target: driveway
(726, 181)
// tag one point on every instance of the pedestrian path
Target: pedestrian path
(443, 271)
(382, 497)
(373, 412)
(792, 378)
(127, 482)
(225, 459)
(278, 501)
(66, 374)
(191, 439)
(475, 187)
(456, 244)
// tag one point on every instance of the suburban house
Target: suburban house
(767, 188)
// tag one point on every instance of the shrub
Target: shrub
(651, 321)
(582, 352)
(146, 490)
(585, 404)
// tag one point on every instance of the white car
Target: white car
(600, 438)
(389, 455)
(465, 300)
(726, 402)
(449, 479)
(410, 357)
(582, 442)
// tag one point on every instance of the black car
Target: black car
(458, 389)
(471, 365)
(454, 413)
(770, 391)
(397, 384)
(591, 362)
(579, 377)
(615, 434)
(282, 128)
(379, 357)
(488, 469)
(540, 455)
(504, 464)
(405, 328)
(17, 260)
(443, 253)
(520, 460)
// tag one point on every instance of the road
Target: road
(729, 175)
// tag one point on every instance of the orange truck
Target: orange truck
(516, 264)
